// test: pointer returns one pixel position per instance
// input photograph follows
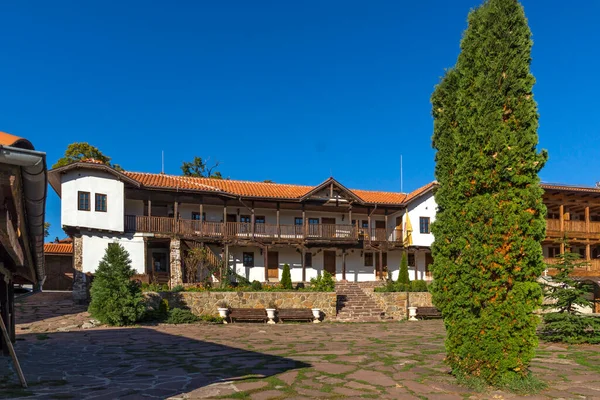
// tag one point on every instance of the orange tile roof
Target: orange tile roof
(258, 189)
(574, 188)
(6, 139)
(420, 191)
(58, 248)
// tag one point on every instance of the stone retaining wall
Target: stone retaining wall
(205, 303)
(395, 304)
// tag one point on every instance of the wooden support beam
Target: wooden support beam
(149, 207)
(350, 215)
(176, 210)
(4, 316)
(588, 253)
(303, 264)
(266, 261)
(225, 265)
(252, 219)
(561, 213)
(9, 237)
(587, 219)
(344, 264)
(278, 233)
(380, 264)
(304, 224)
(386, 224)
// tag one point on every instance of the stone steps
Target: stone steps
(354, 305)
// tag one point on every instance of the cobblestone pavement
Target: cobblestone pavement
(397, 360)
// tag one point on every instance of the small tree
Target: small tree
(286, 277)
(116, 300)
(193, 261)
(403, 274)
(79, 151)
(199, 168)
(46, 229)
(564, 291)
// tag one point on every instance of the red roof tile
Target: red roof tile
(58, 248)
(6, 139)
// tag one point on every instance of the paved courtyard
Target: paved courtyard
(399, 360)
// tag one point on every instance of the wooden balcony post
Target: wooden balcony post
(386, 225)
(225, 264)
(149, 207)
(224, 218)
(369, 233)
(176, 217)
(266, 261)
(587, 219)
(344, 264)
(304, 229)
(278, 233)
(380, 264)
(561, 214)
(252, 220)
(588, 253)
(350, 215)
(201, 217)
(303, 264)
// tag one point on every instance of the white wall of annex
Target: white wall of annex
(424, 206)
(94, 248)
(92, 182)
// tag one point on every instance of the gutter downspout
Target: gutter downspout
(35, 187)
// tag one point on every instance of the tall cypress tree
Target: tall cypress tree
(491, 218)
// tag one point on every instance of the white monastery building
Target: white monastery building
(258, 227)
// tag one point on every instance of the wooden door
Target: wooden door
(273, 265)
(59, 273)
(329, 262)
(378, 271)
(328, 227)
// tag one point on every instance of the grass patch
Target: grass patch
(519, 385)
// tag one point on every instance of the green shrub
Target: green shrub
(323, 283)
(211, 319)
(490, 218)
(418, 286)
(286, 277)
(570, 328)
(181, 316)
(403, 273)
(256, 285)
(116, 300)
(178, 288)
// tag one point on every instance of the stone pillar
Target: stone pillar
(80, 280)
(175, 263)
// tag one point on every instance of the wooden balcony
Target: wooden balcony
(243, 230)
(583, 229)
(592, 269)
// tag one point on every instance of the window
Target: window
(100, 202)
(368, 259)
(83, 201)
(313, 221)
(308, 259)
(411, 260)
(259, 219)
(245, 218)
(424, 224)
(365, 223)
(196, 216)
(553, 251)
(248, 259)
(298, 221)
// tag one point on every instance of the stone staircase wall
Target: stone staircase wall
(353, 304)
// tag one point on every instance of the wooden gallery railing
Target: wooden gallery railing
(573, 226)
(243, 230)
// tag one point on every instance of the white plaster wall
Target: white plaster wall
(424, 206)
(92, 182)
(94, 248)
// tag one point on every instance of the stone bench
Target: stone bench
(428, 312)
(248, 314)
(295, 314)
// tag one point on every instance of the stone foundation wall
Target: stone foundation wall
(394, 304)
(419, 299)
(205, 303)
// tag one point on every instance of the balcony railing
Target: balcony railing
(573, 226)
(244, 230)
(593, 264)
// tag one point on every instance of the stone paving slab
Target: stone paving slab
(329, 360)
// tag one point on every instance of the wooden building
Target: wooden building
(255, 227)
(23, 185)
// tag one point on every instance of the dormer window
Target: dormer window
(83, 201)
(100, 202)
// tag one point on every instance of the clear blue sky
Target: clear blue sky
(288, 91)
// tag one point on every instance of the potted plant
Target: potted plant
(223, 308)
(271, 308)
(316, 314)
